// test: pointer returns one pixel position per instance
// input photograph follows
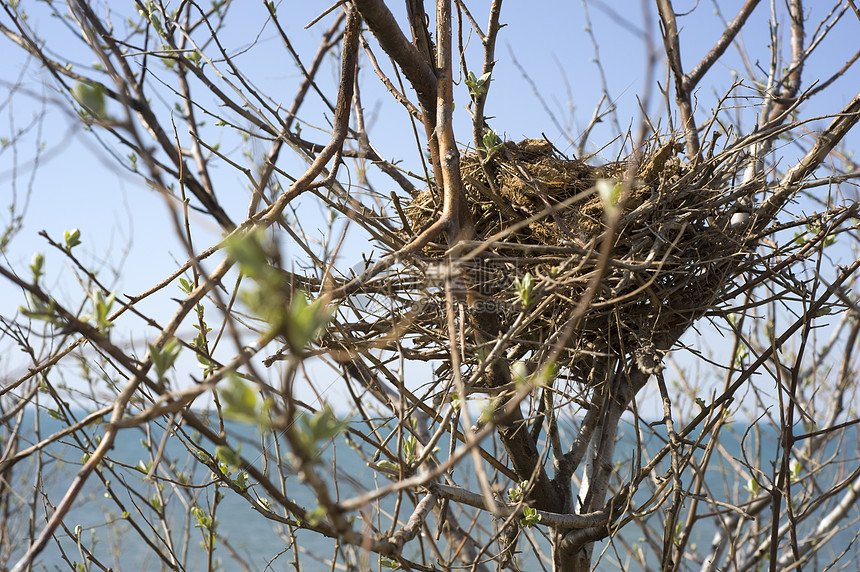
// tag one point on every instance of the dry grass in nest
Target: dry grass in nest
(671, 258)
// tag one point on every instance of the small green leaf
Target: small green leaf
(515, 494)
(524, 288)
(388, 466)
(71, 239)
(520, 373)
(241, 480)
(316, 516)
(206, 364)
(306, 320)
(795, 467)
(102, 304)
(37, 267)
(195, 57)
(477, 85)
(163, 358)
(320, 427)
(491, 142)
(241, 401)
(228, 456)
(409, 446)
(679, 529)
(752, 486)
(488, 412)
(545, 376)
(39, 310)
(204, 521)
(249, 252)
(530, 517)
(150, 13)
(91, 98)
(609, 192)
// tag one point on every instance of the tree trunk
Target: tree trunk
(572, 549)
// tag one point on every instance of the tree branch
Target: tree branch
(672, 46)
(340, 125)
(418, 71)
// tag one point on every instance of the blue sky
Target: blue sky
(125, 227)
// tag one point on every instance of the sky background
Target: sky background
(126, 228)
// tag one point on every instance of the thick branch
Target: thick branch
(548, 518)
(672, 46)
(729, 34)
(808, 163)
(381, 22)
(489, 63)
(791, 85)
(455, 207)
(340, 126)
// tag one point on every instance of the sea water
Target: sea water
(97, 522)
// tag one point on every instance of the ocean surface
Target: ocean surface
(246, 540)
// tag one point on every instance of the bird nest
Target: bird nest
(542, 228)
